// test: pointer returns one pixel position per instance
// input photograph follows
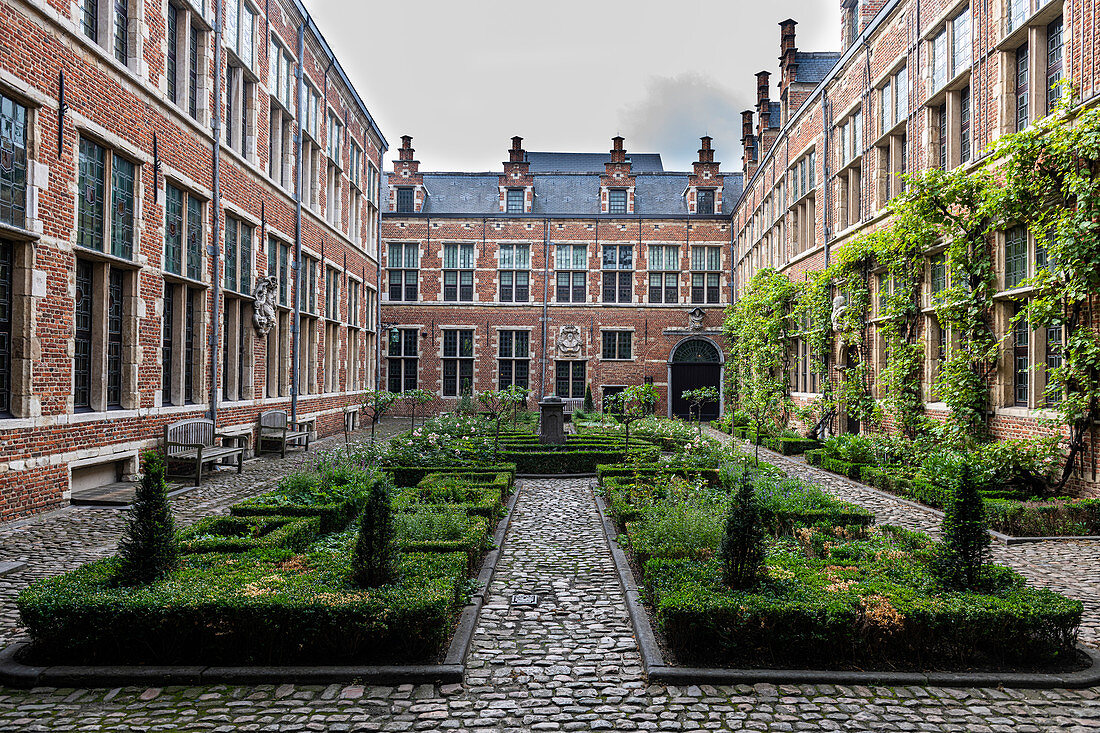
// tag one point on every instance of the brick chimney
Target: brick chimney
(706, 175)
(763, 102)
(517, 175)
(617, 175)
(788, 66)
(751, 156)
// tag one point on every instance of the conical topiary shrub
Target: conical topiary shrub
(148, 548)
(373, 559)
(741, 550)
(589, 405)
(964, 553)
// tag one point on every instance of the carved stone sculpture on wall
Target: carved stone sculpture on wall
(695, 319)
(263, 310)
(840, 307)
(569, 341)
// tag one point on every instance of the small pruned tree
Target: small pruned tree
(632, 404)
(741, 549)
(516, 397)
(496, 404)
(148, 548)
(589, 405)
(373, 557)
(699, 398)
(377, 402)
(964, 554)
(414, 398)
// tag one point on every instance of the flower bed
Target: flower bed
(834, 592)
(274, 583)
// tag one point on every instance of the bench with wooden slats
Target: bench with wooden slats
(194, 441)
(276, 427)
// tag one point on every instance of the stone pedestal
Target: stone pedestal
(552, 420)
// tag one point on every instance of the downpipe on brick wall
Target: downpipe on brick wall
(297, 317)
(215, 248)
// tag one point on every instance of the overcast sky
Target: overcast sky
(463, 77)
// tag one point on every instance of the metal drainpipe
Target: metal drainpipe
(215, 339)
(545, 307)
(297, 316)
(378, 280)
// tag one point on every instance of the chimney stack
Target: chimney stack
(786, 38)
(762, 80)
(618, 153)
(746, 125)
(406, 151)
(706, 154)
(517, 153)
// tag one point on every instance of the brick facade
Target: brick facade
(104, 330)
(566, 202)
(957, 75)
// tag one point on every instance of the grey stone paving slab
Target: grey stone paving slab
(567, 664)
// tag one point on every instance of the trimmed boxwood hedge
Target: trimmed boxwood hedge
(334, 516)
(240, 534)
(1045, 519)
(813, 613)
(475, 500)
(604, 471)
(258, 607)
(570, 460)
(412, 475)
(791, 446)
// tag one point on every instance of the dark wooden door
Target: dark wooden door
(693, 375)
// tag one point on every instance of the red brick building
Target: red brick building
(557, 272)
(149, 181)
(917, 85)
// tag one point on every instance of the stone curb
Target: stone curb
(453, 669)
(1005, 539)
(548, 476)
(660, 672)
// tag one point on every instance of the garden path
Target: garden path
(569, 663)
(1071, 567)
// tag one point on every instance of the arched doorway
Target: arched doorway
(695, 363)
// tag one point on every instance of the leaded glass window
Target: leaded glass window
(13, 162)
(90, 202)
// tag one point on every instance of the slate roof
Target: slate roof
(814, 66)
(565, 194)
(590, 162)
(775, 111)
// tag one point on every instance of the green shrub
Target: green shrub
(589, 405)
(741, 550)
(264, 607)
(813, 457)
(372, 561)
(241, 534)
(413, 475)
(147, 549)
(858, 449)
(965, 553)
(1045, 519)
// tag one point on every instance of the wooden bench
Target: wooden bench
(193, 441)
(276, 427)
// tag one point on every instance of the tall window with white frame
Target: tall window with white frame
(237, 309)
(280, 85)
(616, 201)
(706, 274)
(514, 273)
(403, 267)
(401, 366)
(185, 58)
(664, 273)
(332, 329)
(458, 362)
(514, 359)
(802, 187)
(616, 345)
(14, 124)
(279, 337)
(617, 266)
(355, 198)
(334, 189)
(458, 272)
(1055, 71)
(571, 271)
(569, 379)
(355, 356)
(1021, 357)
(515, 203)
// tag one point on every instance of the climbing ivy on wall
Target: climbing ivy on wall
(1046, 178)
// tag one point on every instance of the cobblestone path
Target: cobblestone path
(568, 663)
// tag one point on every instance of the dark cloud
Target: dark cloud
(676, 111)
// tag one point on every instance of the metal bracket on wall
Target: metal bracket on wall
(156, 169)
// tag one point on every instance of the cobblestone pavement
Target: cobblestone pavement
(1066, 566)
(568, 663)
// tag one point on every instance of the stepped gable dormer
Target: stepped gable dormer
(767, 126)
(704, 194)
(617, 182)
(517, 185)
(407, 193)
